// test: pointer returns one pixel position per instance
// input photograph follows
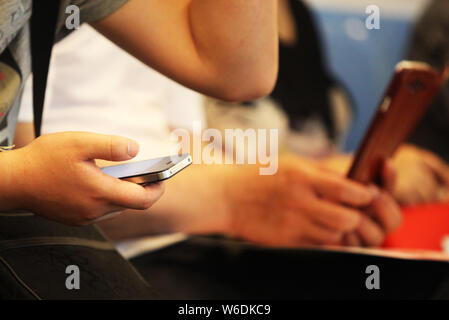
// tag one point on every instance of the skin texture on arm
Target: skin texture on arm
(8, 198)
(193, 203)
(227, 49)
(301, 205)
(24, 134)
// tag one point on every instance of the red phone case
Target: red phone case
(411, 92)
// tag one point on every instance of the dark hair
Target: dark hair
(303, 82)
(430, 43)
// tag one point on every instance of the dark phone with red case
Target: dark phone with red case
(411, 92)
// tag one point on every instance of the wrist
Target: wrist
(220, 206)
(9, 198)
(210, 214)
(234, 180)
(206, 210)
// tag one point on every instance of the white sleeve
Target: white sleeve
(26, 106)
(184, 107)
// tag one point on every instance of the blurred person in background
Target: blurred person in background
(313, 112)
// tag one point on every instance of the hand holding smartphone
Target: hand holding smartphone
(149, 171)
(410, 94)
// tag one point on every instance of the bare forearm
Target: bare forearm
(8, 183)
(193, 203)
(24, 134)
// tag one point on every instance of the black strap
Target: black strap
(43, 28)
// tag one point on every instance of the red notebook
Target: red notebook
(423, 227)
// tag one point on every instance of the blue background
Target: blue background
(363, 64)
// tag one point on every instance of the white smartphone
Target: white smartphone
(149, 171)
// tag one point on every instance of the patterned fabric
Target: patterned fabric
(14, 39)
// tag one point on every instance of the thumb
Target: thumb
(107, 147)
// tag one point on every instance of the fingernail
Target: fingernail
(133, 148)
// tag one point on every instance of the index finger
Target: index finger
(129, 195)
(341, 189)
(386, 212)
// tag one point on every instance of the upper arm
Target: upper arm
(159, 36)
(24, 134)
(187, 40)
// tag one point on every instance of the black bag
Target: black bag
(218, 268)
(35, 253)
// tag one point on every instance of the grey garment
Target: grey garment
(15, 36)
(90, 10)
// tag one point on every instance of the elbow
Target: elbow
(247, 88)
(247, 91)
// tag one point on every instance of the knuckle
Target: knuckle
(346, 221)
(396, 222)
(377, 241)
(293, 238)
(111, 147)
(394, 214)
(96, 194)
(338, 190)
(89, 214)
(334, 237)
(73, 139)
